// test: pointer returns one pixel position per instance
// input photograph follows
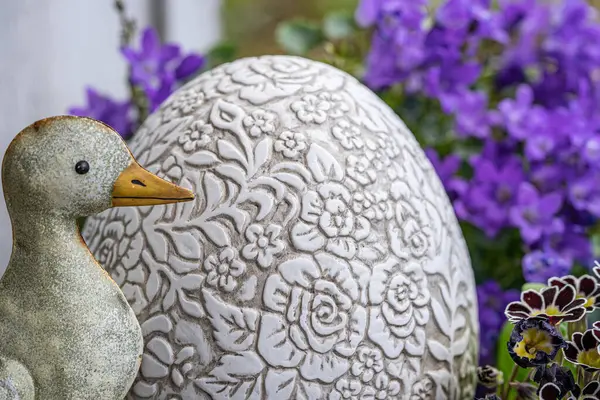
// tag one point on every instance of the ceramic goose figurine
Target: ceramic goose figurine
(66, 330)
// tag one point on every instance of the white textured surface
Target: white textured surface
(320, 260)
(52, 49)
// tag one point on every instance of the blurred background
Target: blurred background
(52, 50)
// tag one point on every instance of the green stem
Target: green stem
(507, 386)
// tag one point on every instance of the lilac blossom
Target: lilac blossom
(117, 114)
(533, 212)
(157, 67)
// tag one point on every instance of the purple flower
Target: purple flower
(157, 67)
(490, 193)
(533, 212)
(568, 240)
(584, 193)
(539, 266)
(492, 302)
(102, 108)
(446, 169)
(470, 109)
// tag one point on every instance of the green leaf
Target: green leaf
(221, 53)
(535, 286)
(338, 25)
(298, 36)
(504, 362)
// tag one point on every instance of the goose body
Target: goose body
(66, 329)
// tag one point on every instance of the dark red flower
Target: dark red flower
(557, 304)
(586, 287)
(583, 350)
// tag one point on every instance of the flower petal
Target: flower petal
(533, 299)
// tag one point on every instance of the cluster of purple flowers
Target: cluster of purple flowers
(492, 303)
(155, 68)
(522, 79)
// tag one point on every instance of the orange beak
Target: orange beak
(138, 187)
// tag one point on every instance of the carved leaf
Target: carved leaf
(228, 151)
(190, 307)
(153, 285)
(185, 244)
(291, 180)
(212, 190)
(228, 116)
(262, 151)
(323, 165)
(202, 158)
(157, 323)
(216, 233)
(440, 316)
(263, 200)
(236, 376)
(233, 172)
(233, 327)
(280, 384)
(439, 351)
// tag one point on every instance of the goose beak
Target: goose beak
(138, 187)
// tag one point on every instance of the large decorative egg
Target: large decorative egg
(321, 258)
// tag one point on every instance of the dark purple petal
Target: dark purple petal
(577, 339)
(571, 352)
(533, 299)
(549, 294)
(575, 314)
(588, 341)
(564, 298)
(588, 285)
(189, 66)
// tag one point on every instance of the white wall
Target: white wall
(50, 50)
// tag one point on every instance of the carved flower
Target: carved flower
(318, 108)
(388, 145)
(346, 389)
(222, 269)
(264, 244)
(400, 296)
(412, 237)
(118, 249)
(383, 388)
(171, 169)
(315, 322)
(327, 220)
(422, 390)
(359, 169)
(377, 155)
(196, 136)
(374, 206)
(260, 81)
(347, 134)
(290, 144)
(159, 361)
(183, 103)
(260, 122)
(369, 362)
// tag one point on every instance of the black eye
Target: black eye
(82, 167)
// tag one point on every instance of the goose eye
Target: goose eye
(82, 167)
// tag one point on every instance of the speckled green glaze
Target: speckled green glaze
(66, 330)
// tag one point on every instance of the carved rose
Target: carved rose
(260, 122)
(400, 295)
(264, 244)
(327, 220)
(315, 321)
(347, 134)
(223, 269)
(290, 144)
(196, 136)
(368, 362)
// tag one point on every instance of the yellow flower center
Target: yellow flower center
(589, 301)
(591, 358)
(550, 311)
(534, 340)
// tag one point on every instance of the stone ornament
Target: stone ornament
(321, 258)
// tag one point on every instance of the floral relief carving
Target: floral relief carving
(320, 259)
